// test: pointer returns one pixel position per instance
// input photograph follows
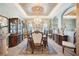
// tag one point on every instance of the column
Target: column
(77, 30)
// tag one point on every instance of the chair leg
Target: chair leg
(63, 49)
(75, 50)
(42, 49)
(32, 51)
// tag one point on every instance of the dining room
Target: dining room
(37, 29)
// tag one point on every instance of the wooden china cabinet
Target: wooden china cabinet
(16, 30)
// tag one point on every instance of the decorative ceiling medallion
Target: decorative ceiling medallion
(37, 10)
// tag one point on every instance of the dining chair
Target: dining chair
(36, 41)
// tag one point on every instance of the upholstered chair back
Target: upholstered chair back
(37, 37)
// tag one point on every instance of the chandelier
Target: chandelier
(37, 20)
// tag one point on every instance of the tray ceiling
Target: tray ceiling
(43, 9)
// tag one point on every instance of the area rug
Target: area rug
(46, 52)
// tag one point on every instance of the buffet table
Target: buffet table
(59, 38)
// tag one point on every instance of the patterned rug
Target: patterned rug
(37, 52)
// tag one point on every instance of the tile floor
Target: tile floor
(52, 47)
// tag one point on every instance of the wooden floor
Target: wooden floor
(52, 48)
